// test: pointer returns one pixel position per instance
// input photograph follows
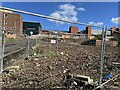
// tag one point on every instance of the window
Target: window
(5, 15)
(12, 28)
(8, 32)
(5, 22)
(5, 28)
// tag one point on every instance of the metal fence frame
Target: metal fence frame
(48, 17)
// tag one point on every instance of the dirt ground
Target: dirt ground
(46, 68)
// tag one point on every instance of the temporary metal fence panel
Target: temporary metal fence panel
(45, 38)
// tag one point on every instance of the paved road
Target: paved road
(15, 46)
(9, 48)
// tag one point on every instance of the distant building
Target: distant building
(11, 23)
(34, 27)
(46, 32)
(88, 31)
(93, 33)
(73, 30)
(66, 35)
(115, 30)
(99, 32)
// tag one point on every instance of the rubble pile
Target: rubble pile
(46, 72)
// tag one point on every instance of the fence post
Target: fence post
(57, 44)
(28, 40)
(36, 41)
(49, 42)
(2, 53)
(102, 55)
(3, 45)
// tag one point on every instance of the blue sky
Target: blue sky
(97, 13)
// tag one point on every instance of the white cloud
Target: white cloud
(96, 24)
(66, 12)
(81, 9)
(116, 20)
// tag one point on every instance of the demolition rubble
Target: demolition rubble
(46, 69)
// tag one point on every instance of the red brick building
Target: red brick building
(88, 31)
(12, 24)
(115, 31)
(113, 28)
(73, 30)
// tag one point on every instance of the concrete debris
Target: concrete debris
(12, 68)
(49, 72)
(45, 57)
(35, 54)
(61, 53)
(36, 59)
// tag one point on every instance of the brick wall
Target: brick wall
(109, 43)
(13, 24)
(65, 36)
(73, 30)
(88, 31)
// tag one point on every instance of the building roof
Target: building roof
(117, 31)
(59, 31)
(33, 23)
(6, 11)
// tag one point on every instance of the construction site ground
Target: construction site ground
(46, 68)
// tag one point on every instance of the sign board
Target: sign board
(53, 41)
(28, 28)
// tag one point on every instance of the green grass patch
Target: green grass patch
(49, 54)
(10, 40)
